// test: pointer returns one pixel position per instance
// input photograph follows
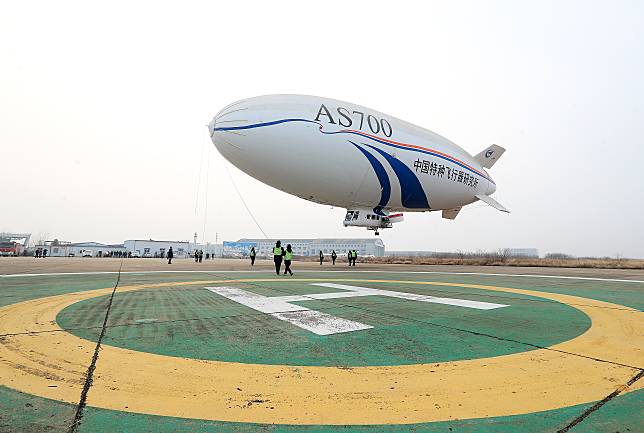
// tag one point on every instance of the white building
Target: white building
(213, 249)
(152, 248)
(312, 247)
(98, 249)
(58, 248)
(522, 252)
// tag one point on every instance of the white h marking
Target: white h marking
(320, 323)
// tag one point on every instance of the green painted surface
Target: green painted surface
(195, 323)
(21, 412)
(629, 294)
(191, 311)
(25, 413)
(13, 290)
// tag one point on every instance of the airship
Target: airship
(345, 155)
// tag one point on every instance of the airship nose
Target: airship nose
(224, 140)
(212, 125)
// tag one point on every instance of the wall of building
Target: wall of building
(312, 247)
(96, 249)
(53, 250)
(150, 248)
(66, 249)
(208, 248)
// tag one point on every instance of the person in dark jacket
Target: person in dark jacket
(252, 256)
(278, 253)
(333, 256)
(321, 257)
(288, 258)
(170, 255)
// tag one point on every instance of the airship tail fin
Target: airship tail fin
(489, 156)
(495, 204)
(450, 214)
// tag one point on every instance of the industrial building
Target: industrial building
(58, 248)
(522, 252)
(312, 247)
(153, 248)
(132, 248)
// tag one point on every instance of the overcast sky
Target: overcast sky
(103, 110)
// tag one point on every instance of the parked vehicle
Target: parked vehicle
(10, 248)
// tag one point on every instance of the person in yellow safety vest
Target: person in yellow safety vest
(288, 258)
(354, 256)
(252, 255)
(278, 252)
(321, 257)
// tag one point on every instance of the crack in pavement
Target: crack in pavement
(600, 403)
(89, 376)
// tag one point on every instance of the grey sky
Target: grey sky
(103, 110)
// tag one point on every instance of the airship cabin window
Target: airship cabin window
(356, 214)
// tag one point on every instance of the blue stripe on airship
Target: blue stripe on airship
(411, 191)
(381, 173)
(361, 134)
(260, 125)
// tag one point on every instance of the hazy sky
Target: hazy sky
(103, 110)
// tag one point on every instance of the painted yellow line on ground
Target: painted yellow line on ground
(140, 382)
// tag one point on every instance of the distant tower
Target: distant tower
(195, 242)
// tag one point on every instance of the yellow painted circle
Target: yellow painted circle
(141, 382)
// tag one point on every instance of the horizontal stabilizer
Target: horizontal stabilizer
(450, 214)
(495, 204)
(489, 156)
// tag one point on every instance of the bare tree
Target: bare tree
(42, 236)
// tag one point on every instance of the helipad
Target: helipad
(377, 349)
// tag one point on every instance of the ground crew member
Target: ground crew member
(200, 256)
(333, 256)
(252, 256)
(321, 257)
(354, 255)
(170, 255)
(196, 256)
(288, 258)
(278, 252)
